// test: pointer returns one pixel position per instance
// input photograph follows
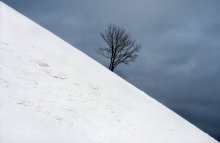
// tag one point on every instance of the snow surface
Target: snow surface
(51, 92)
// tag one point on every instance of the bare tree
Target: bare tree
(121, 49)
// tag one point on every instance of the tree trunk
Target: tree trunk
(111, 67)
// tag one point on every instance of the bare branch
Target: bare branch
(120, 47)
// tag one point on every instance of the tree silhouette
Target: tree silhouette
(121, 49)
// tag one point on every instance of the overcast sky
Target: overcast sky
(179, 64)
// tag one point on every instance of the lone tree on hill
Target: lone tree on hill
(120, 49)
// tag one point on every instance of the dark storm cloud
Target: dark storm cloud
(179, 62)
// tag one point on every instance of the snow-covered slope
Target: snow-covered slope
(51, 92)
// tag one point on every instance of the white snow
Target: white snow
(51, 92)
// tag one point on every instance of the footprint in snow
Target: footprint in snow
(59, 76)
(42, 64)
(4, 43)
(59, 118)
(24, 102)
(4, 83)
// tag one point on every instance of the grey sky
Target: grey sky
(179, 61)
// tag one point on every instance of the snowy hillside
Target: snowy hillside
(51, 92)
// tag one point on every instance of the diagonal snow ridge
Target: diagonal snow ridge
(50, 92)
